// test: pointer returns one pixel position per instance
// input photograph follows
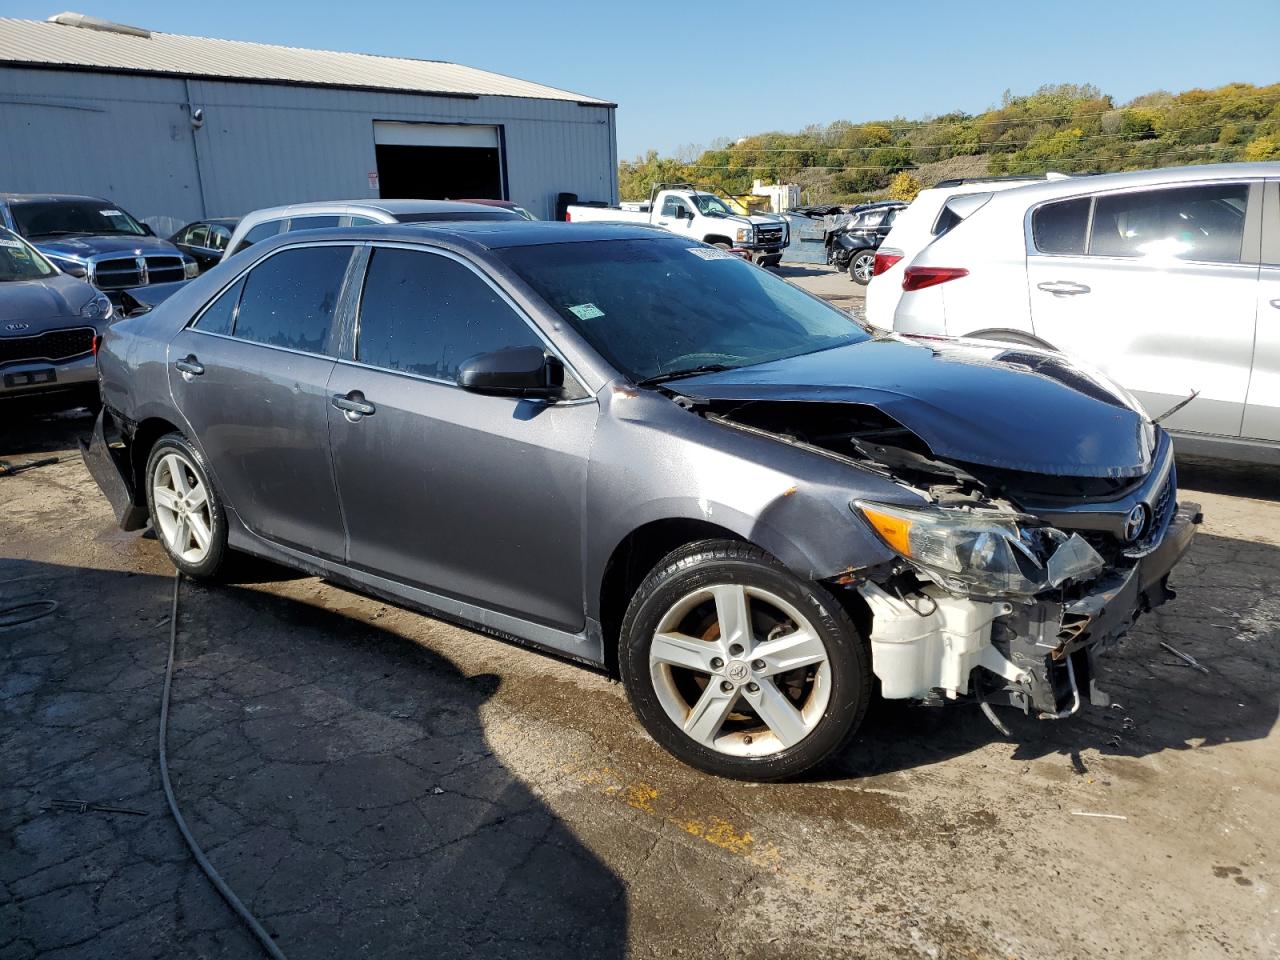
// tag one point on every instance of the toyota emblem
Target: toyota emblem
(1135, 523)
(14, 327)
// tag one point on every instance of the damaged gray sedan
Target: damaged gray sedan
(647, 455)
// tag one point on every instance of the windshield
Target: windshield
(712, 206)
(52, 218)
(655, 307)
(19, 261)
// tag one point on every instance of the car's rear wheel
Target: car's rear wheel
(186, 514)
(860, 266)
(740, 668)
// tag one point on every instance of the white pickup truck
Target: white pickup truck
(689, 212)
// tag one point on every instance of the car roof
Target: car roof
(18, 198)
(1160, 176)
(390, 207)
(488, 234)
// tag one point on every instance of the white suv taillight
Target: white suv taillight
(886, 257)
(917, 278)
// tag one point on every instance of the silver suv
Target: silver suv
(269, 222)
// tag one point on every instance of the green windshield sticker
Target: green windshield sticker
(586, 311)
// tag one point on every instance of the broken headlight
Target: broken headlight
(988, 552)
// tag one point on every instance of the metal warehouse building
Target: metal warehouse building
(177, 128)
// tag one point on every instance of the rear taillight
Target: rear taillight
(917, 278)
(568, 216)
(884, 260)
(97, 342)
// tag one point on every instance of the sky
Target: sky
(690, 73)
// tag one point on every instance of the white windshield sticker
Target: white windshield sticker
(711, 253)
(586, 311)
(12, 244)
(110, 213)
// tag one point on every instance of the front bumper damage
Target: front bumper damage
(1041, 656)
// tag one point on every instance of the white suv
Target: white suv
(917, 225)
(1167, 280)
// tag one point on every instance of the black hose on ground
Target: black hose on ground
(202, 861)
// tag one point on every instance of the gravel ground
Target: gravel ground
(379, 784)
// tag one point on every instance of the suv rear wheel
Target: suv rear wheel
(740, 668)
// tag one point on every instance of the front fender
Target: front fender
(653, 460)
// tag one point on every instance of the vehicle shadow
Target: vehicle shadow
(793, 271)
(1225, 617)
(1257, 481)
(336, 773)
(34, 427)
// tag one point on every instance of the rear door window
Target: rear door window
(1203, 223)
(290, 298)
(220, 316)
(1061, 227)
(426, 314)
(268, 228)
(313, 223)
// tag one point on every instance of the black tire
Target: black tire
(860, 266)
(215, 557)
(714, 562)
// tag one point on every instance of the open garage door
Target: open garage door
(437, 161)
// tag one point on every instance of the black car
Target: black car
(853, 245)
(205, 240)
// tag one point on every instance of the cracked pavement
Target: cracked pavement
(376, 783)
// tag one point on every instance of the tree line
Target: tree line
(1072, 128)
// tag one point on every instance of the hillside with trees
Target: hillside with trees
(1065, 127)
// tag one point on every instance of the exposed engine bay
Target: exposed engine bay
(1010, 583)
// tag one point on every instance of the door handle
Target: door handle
(354, 406)
(1276, 304)
(189, 367)
(1062, 288)
(664, 223)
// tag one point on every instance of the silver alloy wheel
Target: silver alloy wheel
(861, 267)
(182, 508)
(721, 688)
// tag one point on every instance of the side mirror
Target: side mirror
(74, 269)
(515, 372)
(686, 213)
(146, 228)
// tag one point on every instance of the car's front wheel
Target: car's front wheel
(740, 668)
(861, 264)
(186, 513)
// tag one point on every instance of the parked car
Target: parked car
(852, 246)
(916, 226)
(205, 240)
(1166, 280)
(95, 239)
(505, 205)
(50, 326)
(261, 224)
(647, 455)
(688, 212)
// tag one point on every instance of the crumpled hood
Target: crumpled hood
(80, 248)
(978, 402)
(42, 304)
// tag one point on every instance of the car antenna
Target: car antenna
(1176, 407)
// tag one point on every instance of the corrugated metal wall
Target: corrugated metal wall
(130, 139)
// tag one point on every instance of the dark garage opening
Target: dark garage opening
(438, 173)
